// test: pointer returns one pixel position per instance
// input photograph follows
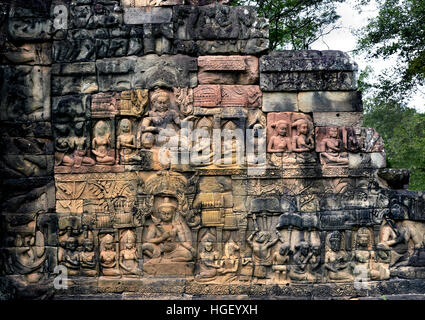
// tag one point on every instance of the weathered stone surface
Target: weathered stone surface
(308, 81)
(74, 78)
(395, 178)
(228, 70)
(339, 119)
(29, 29)
(30, 54)
(139, 15)
(146, 72)
(306, 61)
(218, 23)
(349, 101)
(142, 3)
(366, 160)
(25, 93)
(220, 47)
(18, 166)
(227, 96)
(280, 102)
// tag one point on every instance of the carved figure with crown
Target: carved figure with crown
(168, 239)
(162, 116)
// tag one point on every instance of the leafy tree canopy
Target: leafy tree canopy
(296, 24)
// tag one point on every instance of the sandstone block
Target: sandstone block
(141, 15)
(280, 102)
(227, 96)
(339, 119)
(349, 101)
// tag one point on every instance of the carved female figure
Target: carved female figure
(333, 147)
(128, 254)
(126, 142)
(302, 141)
(108, 256)
(81, 146)
(71, 258)
(88, 259)
(337, 261)
(230, 261)
(63, 147)
(208, 260)
(280, 142)
(101, 143)
(299, 271)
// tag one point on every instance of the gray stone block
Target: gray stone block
(339, 119)
(349, 101)
(141, 15)
(280, 102)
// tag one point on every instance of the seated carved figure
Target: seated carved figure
(71, 258)
(280, 261)
(88, 259)
(126, 143)
(80, 147)
(166, 239)
(280, 142)
(333, 155)
(302, 141)
(230, 261)
(128, 255)
(208, 260)
(108, 256)
(299, 270)
(337, 261)
(101, 144)
(162, 118)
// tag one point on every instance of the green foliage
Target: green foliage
(403, 131)
(397, 31)
(296, 24)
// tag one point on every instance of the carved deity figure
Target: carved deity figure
(202, 153)
(101, 143)
(161, 117)
(126, 143)
(299, 270)
(261, 243)
(63, 146)
(337, 260)
(302, 141)
(80, 147)
(128, 254)
(333, 146)
(108, 256)
(230, 261)
(71, 257)
(208, 260)
(365, 259)
(88, 259)
(280, 261)
(280, 142)
(166, 239)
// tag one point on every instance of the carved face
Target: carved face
(161, 103)
(129, 244)
(333, 132)
(166, 213)
(303, 128)
(101, 128)
(283, 250)
(125, 126)
(335, 243)
(88, 246)
(208, 245)
(304, 247)
(282, 129)
(71, 244)
(363, 239)
(262, 237)
(316, 250)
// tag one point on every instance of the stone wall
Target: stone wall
(110, 183)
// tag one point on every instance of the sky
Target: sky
(343, 39)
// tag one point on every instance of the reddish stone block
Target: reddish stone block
(227, 96)
(228, 70)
